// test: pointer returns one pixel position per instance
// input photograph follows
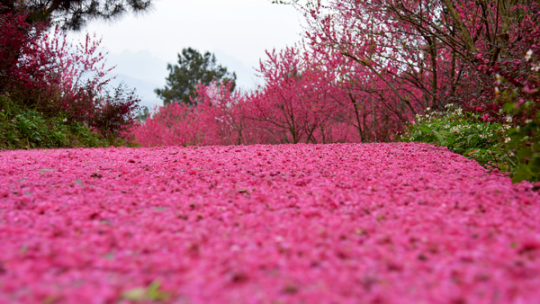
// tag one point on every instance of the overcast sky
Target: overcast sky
(237, 31)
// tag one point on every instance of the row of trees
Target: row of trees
(300, 102)
(447, 50)
(364, 69)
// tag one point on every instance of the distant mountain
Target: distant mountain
(246, 78)
(140, 71)
(140, 65)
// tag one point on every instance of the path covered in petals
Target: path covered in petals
(347, 223)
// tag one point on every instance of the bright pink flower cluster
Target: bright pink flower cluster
(343, 223)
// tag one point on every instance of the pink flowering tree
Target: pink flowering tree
(19, 39)
(365, 69)
(167, 126)
(215, 118)
(446, 50)
(75, 83)
(42, 70)
(220, 114)
(298, 102)
(364, 98)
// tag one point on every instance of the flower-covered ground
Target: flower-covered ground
(346, 223)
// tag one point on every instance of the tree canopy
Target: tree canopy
(74, 14)
(193, 68)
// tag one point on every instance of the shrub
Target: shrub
(525, 140)
(22, 127)
(117, 111)
(522, 105)
(465, 133)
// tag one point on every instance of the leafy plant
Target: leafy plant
(22, 127)
(522, 104)
(525, 140)
(465, 133)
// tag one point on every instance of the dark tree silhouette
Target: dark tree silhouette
(74, 14)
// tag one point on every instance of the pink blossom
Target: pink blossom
(341, 223)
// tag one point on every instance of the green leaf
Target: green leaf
(524, 152)
(424, 128)
(522, 173)
(509, 107)
(154, 294)
(439, 137)
(135, 294)
(150, 293)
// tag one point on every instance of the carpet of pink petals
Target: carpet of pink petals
(344, 223)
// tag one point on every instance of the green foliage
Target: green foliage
(525, 140)
(466, 134)
(521, 99)
(24, 128)
(150, 293)
(192, 68)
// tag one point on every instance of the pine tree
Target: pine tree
(74, 14)
(192, 68)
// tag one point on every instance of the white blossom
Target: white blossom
(528, 55)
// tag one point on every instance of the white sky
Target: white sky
(237, 31)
